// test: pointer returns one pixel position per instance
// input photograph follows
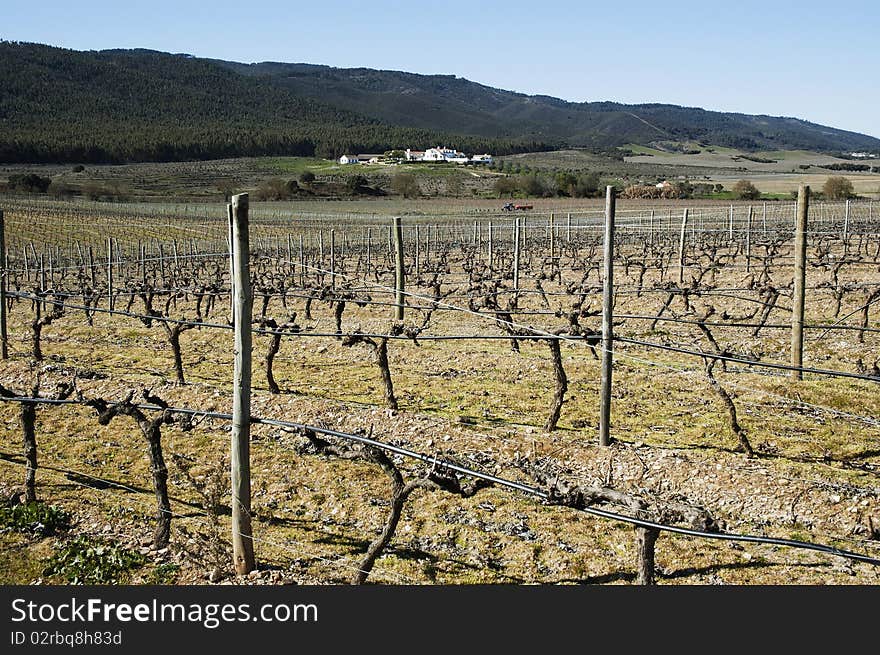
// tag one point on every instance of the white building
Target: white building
(482, 159)
(414, 155)
(443, 154)
(348, 159)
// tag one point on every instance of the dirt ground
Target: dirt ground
(814, 476)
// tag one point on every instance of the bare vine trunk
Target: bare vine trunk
(561, 385)
(162, 533)
(28, 427)
(731, 411)
(274, 346)
(382, 361)
(647, 539)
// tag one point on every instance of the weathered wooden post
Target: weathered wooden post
(489, 238)
(332, 258)
(416, 263)
(302, 264)
(552, 242)
(800, 259)
(110, 273)
(607, 325)
(684, 222)
(242, 538)
(846, 228)
(568, 228)
(516, 255)
(427, 257)
(230, 242)
(730, 221)
(369, 248)
(92, 267)
(399, 273)
(4, 347)
(749, 241)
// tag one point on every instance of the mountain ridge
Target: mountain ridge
(146, 105)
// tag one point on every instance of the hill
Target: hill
(142, 105)
(63, 105)
(448, 102)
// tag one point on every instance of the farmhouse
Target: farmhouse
(370, 159)
(482, 159)
(444, 154)
(348, 159)
(414, 155)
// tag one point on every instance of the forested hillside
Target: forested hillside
(138, 105)
(141, 105)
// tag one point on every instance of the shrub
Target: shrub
(837, 188)
(29, 183)
(38, 519)
(85, 560)
(745, 190)
(273, 189)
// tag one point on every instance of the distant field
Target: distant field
(718, 157)
(863, 184)
(206, 181)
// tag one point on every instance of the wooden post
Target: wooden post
(846, 228)
(369, 248)
(607, 325)
(418, 240)
(568, 228)
(427, 256)
(162, 263)
(800, 274)
(516, 254)
(230, 242)
(302, 263)
(94, 273)
(110, 273)
(731, 222)
(749, 241)
(489, 236)
(4, 348)
(332, 258)
(399, 274)
(684, 222)
(242, 539)
(552, 244)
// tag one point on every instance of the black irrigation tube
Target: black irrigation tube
(748, 362)
(502, 482)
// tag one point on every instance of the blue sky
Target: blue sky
(819, 61)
